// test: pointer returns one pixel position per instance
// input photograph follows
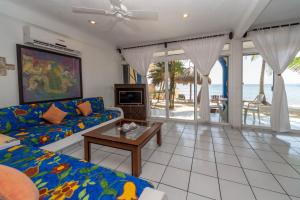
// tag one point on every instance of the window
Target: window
(291, 78)
(156, 89)
(257, 91)
(174, 90)
(218, 91)
(181, 89)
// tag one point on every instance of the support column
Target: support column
(235, 83)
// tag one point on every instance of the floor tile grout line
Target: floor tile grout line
(124, 162)
(215, 176)
(215, 136)
(286, 161)
(268, 168)
(104, 158)
(234, 150)
(166, 166)
(220, 192)
(191, 169)
(186, 191)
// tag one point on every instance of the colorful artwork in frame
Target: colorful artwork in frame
(47, 76)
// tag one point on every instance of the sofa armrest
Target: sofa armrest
(116, 109)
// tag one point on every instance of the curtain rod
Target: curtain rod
(271, 27)
(174, 41)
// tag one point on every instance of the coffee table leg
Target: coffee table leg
(158, 136)
(136, 162)
(87, 150)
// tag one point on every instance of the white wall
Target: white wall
(101, 66)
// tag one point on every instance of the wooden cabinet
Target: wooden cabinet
(132, 110)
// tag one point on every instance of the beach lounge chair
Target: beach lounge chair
(254, 107)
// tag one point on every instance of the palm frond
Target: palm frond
(295, 65)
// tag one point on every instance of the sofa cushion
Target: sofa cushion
(97, 104)
(85, 108)
(41, 135)
(81, 123)
(15, 185)
(54, 115)
(71, 108)
(6, 124)
(16, 117)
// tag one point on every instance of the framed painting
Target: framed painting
(47, 76)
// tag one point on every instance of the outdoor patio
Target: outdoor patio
(185, 111)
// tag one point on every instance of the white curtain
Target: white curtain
(204, 53)
(140, 59)
(278, 47)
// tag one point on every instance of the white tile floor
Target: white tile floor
(213, 162)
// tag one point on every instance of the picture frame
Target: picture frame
(46, 76)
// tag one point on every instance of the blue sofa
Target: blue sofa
(24, 122)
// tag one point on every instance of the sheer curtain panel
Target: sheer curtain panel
(140, 59)
(278, 47)
(204, 53)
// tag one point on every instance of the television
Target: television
(130, 97)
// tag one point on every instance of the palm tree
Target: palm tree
(175, 69)
(295, 65)
(157, 75)
(261, 79)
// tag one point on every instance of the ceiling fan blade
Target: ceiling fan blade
(142, 15)
(131, 25)
(82, 10)
(116, 3)
(110, 25)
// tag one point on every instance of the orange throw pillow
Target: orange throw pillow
(54, 115)
(85, 108)
(15, 185)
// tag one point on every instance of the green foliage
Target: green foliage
(8, 155)
(157, 75)
(295, 65)
(22, 119)
(65, 173)
(104, 184)
(88, 170)
(120, 174)
(35, 140)
(8, 126)
(82, 193)
(39, 186)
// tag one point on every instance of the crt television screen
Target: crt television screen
(130, 97)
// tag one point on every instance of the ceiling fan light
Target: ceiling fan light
(92, 21)
(185, 15)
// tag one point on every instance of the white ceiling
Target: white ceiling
(205, 16)
(280, 11)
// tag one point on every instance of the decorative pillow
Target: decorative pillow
(54, 115)
(85, 108)
(15, 185)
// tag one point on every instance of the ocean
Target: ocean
(250, 91)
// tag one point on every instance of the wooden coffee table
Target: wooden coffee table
(110, 135)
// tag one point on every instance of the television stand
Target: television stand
(135, 108)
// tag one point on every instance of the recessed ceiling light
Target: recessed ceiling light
(92, 21)
(185, 15)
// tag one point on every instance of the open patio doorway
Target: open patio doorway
(172, 90)
(218, 91)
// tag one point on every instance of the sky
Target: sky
(251, 72)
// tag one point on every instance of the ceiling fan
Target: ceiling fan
(120, 11)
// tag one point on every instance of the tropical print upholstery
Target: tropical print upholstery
(60, 177)
(25, 123)
(42, 134)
